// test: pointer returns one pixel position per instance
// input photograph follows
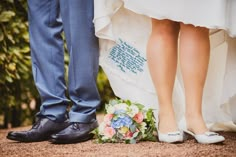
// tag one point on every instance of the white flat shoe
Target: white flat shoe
(171, 137)
(207, 137)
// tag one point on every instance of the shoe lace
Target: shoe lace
(36, 124)
(76, 126)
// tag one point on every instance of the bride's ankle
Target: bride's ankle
(167, 123)
(196, 123)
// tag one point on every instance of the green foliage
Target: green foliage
(151, 127)
(16, 85)
(104, 89)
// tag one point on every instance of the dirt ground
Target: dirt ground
(90, 148)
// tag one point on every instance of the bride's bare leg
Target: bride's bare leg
(194, 59)
(162, 61)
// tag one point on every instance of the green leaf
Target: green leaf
(2, 56)
(140, 106)
(24, 67)
(16, 30)
(26, 36)
(135, 134)
(18, 76)
(10, 1)
(149, 115)
(133, 128)
(128, 102)
(127, 141)
(95, 131)
(9, 79)
(6, 16)
(132, 141)
(1, 35)
(10, 37)
(26, 49)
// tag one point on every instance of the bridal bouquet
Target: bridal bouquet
(126, 122)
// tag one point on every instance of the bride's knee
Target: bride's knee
(165, 27)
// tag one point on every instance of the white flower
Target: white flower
(143, 127)
(121, 106)
(104, 138)
(110, 109)
(133, 110)
(101, 128)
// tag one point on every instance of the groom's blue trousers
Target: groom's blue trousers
(47, 20)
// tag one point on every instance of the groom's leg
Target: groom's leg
(77, 17)
(47, 53)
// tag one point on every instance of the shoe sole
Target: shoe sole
(86, 138)
(25, 141)
(171, 142)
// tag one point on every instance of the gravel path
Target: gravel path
(188, 148)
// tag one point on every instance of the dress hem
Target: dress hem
(160, 17)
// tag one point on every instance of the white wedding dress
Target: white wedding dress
(123, 28)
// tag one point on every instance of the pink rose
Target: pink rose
(109, 132)
(107, 118)
(138, 117)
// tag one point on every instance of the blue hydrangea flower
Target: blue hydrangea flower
(121, 122)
